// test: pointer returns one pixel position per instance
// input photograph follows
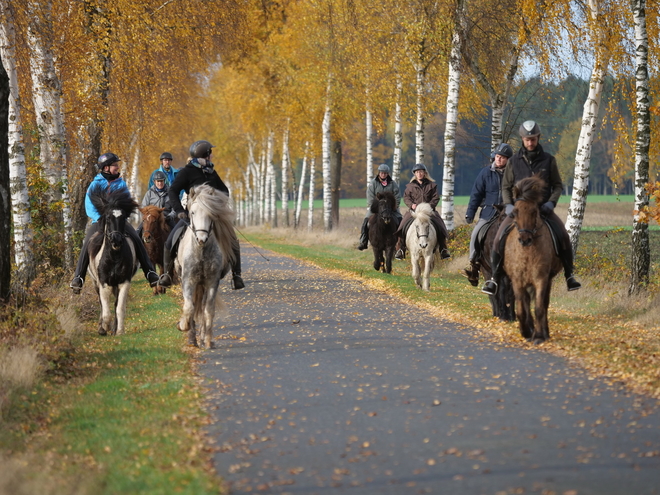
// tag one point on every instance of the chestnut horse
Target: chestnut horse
(530, 259)
(154, 234)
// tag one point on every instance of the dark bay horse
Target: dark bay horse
(154, 234)
(113, 261)
(503, 302)
(530, 260)
(382, 231)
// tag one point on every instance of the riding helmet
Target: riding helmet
(529, 128)
(504, 150)
(419, 166)
(166, 155)
(200, 149)
(158, 175)
(107, 159)
(383, 168)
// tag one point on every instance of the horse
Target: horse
(204, 257)
(421, 242)
(154, 234)
(382, 231)
(113, 260)
(503, 302)
(530, 259)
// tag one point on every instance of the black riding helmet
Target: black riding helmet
(504, 150)
(200, 149)
(158, 175)
(167, 155)
(107, 159)
(383, 168)
(419, 166)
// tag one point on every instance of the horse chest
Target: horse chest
(113, 269)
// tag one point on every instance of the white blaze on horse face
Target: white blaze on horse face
(117, 213)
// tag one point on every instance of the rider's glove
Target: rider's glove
(469, 219)
(508, 209)
(546, 208)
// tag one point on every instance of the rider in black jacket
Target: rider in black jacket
(199, 170)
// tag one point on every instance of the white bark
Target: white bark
(301, 187)
(271, 180)
(46, 96)
(20, 200)
(453, 90)
(575, 214)
(262, 187)
(419, 121)
(286, 165)
(326, 143)
(310, 198)
(398, 131)
(369, 123)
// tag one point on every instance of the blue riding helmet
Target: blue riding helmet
(419, 166)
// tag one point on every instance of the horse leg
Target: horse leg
(377, 257)
(524, 315)
(120, 307)
(209, 315)
(541, 304)
(414, 261)
(106, 317)
(428, 266)
(186, 323)
(389, 254)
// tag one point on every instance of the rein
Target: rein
(194, 230)
(531, 232)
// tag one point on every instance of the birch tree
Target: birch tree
(20, 201)
(310, 198)
(326, 144)
(5, 195)
(286, 166)
(398, 130)
(641, 255)
(301, 186)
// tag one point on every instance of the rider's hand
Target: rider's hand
(546, 208)
(469, 219)
(508, 209)
(413, 206)
(183, 216)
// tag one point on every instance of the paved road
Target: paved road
(336, 388)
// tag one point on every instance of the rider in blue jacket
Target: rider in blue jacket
(109, 177)
(166, 167)
(486, 193)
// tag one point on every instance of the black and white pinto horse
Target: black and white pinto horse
(204, 258)
(112, 256)
(421, 241)
(382, 231)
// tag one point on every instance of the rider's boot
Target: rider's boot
(490, 287)
(400, 250)
(165, 279)
(473, 273)
(237, 281)
(81, 269)
(364, 235)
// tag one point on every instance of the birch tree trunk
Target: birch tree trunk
(272, 182)
(20, 200)
(398, 131)
(310, 198)
(419, 121)
(335, 180)
(641, 252)
(5, 195)
(262, 187)
(301, 187)
(575, 215)
(326, 151)
(453, 90)
(286, 165)
(369, 123)
(46, 97)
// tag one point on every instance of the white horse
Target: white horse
(421, 241)
(204, 258)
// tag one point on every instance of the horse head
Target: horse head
(528, 194)
(152, 221)
(115, 207)
(422, 223)
(385, 207)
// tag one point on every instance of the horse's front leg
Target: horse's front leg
(107, 314)
(378, 257)
(209, 316)
(120, 306)
(187, 313)
(542, 332)
(414, 261)
(525, 321)
(389, 254)
(428, 266)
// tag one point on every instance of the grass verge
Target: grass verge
(599, 327)
(127, 418)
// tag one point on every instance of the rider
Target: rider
(158, 195)
(528, 161)
(421, 189)
(108, 177)
(486, 193)
(199, 170)
(166, 167)
(381, 183)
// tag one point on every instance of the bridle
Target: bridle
(531, 232)
(428, 230)
(191, 226)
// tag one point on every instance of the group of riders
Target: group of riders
(166, 187)
(493, 187)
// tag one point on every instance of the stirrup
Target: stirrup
(362, 246)
(237, 282)
(444, 254)
(399, 255)
(152, 278)
(77, 287)
(165, 280)
(490, 287)
(572, 284)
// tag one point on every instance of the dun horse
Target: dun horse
(530, 260)
(154, 234)
(421, 241)
(112, 256)
(382, 229)
(204, 258)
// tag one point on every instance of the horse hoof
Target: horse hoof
(102, 331)
(178, 327)
(538, 341)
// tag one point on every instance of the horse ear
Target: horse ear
(379, 195)
(191, 193)
(516, 192)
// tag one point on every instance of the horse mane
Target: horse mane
(423, 212)
(216, 204)
(529, 189)
(104, 200)
(388, 197)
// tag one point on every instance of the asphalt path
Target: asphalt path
(319, 385)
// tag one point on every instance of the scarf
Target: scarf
(110, 177)
(204, 164)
